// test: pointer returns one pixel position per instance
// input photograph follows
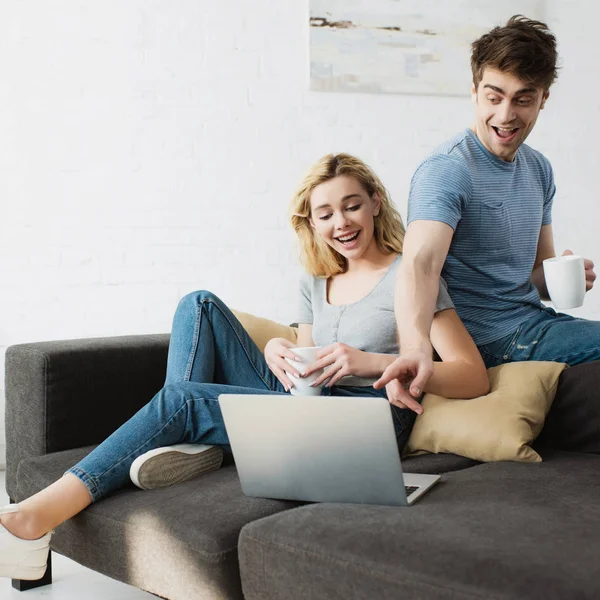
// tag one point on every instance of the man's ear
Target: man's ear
(474, 94)
(544, 98)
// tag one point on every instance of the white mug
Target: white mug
(565, 280)
(302, 385)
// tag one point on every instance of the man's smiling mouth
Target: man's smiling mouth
(505, 133)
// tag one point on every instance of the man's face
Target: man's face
(506, 110)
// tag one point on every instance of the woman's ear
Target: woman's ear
(312, 223)
(376, 203)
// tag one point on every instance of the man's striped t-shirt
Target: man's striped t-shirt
(496, 209)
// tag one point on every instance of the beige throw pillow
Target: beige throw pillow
(262, 330)
(497, 426)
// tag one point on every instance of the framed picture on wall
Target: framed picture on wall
(402, 46)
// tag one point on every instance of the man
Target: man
(480, 214)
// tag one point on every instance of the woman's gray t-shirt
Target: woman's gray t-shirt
(369, 324)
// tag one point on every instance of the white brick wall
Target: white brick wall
(150, 148)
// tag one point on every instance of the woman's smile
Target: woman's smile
(349, 240)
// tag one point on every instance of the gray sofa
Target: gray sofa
(496, 530)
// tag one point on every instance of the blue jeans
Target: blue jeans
(210, 353)
(548, 336)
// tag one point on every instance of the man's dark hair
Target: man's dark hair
(523, 47)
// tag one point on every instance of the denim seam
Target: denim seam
(90, 482)
(542, 331)
(564, 358)
(266, 383)
(508, 353)
(195, 339)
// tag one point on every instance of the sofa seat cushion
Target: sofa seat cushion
(496, 531)
(178, 542)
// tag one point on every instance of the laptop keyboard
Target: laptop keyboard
(410, 489)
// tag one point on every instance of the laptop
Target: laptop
(319, 449)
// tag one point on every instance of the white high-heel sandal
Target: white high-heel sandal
(22, 559)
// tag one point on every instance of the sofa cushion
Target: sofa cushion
(501, 530)
(573, 422)
(436, 463)
(178, 542)
(497, 426)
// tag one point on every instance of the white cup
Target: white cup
(302, 384)
(565, 280)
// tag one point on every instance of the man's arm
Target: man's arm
(545, 249)
(425, 249)
(439, 191)
(426, 246)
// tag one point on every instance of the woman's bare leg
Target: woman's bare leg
(47, 509)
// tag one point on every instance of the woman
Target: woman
(351, 239)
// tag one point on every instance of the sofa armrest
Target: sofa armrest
(72, 393)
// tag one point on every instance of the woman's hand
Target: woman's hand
(338, 360)
(276, 351)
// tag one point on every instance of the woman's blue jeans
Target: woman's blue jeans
(210, 353)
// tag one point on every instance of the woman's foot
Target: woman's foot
(21, 558)
(174, 464)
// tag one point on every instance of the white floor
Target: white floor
(70, 580)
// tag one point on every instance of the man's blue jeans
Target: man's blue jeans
(548, 336)
(210, 353)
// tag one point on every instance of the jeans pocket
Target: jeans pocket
(501, 350)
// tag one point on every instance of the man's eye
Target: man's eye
(493, 99)
(524, 101)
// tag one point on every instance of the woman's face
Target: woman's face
(342, 213)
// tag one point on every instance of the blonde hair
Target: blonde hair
(319, 258)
